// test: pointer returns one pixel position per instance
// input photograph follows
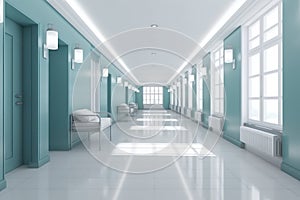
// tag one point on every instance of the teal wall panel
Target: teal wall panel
(166, 98)
(232, 85)
(2, 180)
(59, 137)
(206, 90)
(139, 98)
(291, 93)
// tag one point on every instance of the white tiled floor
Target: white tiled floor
(232, 174)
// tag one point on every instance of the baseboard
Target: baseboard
(40, 163)
(234, 141)
(290, 170)
(2, 184)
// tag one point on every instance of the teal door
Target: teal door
(13, 95)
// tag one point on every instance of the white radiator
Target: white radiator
(215, 123)
(189, 113)
(259, 140)
(182, 110)
(178, 109)
(198, 116)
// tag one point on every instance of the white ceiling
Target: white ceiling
(125, 24)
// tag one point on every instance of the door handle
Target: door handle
(19, 103)
(18, 96)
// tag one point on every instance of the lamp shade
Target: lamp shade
(105, 72)
(125, 84)
(52, 39)
(191, 78)
(228, 56)
(119, 79)
(78, 55)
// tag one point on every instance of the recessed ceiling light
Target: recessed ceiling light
(154, 25)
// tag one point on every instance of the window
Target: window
(199, 91)
(218, 82)
(153, 95)
(264, 75)
(190, 92)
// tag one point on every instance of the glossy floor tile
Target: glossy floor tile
(231, 173)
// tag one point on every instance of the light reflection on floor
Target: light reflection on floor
(161, 149)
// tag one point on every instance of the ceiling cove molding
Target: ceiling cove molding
(241, 17)
(72, 17)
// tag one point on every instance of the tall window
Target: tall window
(153, 95)
(265, 69)
(218, 82)
(199, 91)
(190, 94)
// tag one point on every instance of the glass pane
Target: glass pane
(217, 92)
(270, 34)
(254, 87)
(160, 90)
(217, 106)
(221, 75)
(271, 18)
(217, 63)
(254, 110)
(271, 111)
(254, 43)
(221, 91)
(271, 85)
(254, 65)
(217, 77)
(271, 58)
(222, 106)
(254, 30)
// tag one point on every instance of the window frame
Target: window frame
(260, 50)
(153, 95)
(218, 86)
(199, 89)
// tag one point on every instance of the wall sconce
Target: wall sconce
(185, 81)
(1, 11)
(203, 71)
(129, 87)
(119, 79)
(105, 72)
(78, 57)
(51, 41)
(191, 78)
(125, 84)
(228, 57)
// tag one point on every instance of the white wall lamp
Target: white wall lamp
(203, 71)
(184, 80)
(125, 84)
(119, 79)
(51, 41)
(1, 11)
(228, 57)
(105, 72)
(78, 57)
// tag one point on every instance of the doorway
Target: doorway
(13, 95)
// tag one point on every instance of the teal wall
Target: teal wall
(59, 137)
(232, 87)
(139, 98)
(291, 93)
(206, 90)
(166, 98)
(2, 180)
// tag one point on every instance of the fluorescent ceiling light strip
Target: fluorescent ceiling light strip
(86, 19)
(223, 20)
